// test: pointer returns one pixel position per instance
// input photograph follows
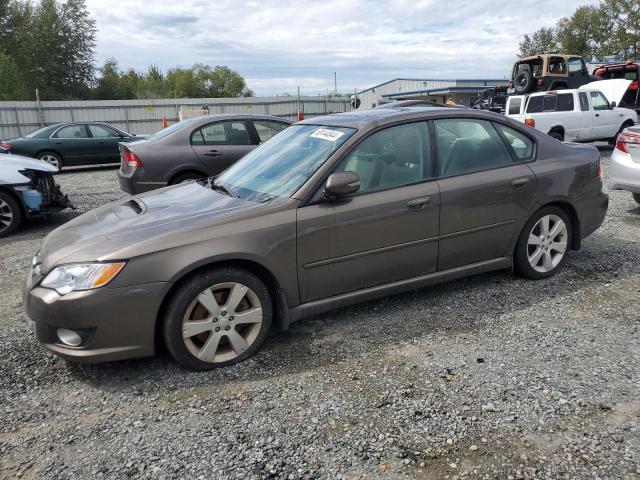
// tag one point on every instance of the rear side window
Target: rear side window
(565, 102)
(584, 102)
(514, 106)
(549, 103)
(469, 145)
(535, 104)
(522, 146)
(72, 131)
(222, 133)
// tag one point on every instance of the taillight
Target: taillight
(6, 146)
(530, 122)
(600, 174)
(132, 159)
(625, 139)
(540, 81)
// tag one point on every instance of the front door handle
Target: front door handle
(519, 183)
(213, 153)
(418, 203)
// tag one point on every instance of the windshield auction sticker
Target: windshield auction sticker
(327, 134)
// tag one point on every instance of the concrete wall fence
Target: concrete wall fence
(145, 116)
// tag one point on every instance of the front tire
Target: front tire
(544, 244)
(10, 214)
(636, 197)
(217, 318)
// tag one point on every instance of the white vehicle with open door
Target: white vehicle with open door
(588, 113)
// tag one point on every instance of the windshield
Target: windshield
(173, 128)
(280, 166)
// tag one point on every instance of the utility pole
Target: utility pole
(335, 82)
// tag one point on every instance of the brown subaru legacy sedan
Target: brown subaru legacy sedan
(330, 211)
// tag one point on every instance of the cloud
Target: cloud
(278, 45)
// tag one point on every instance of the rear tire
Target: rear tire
(627, 124)
(185, 177)
(636, 197)
(544, 243)
(10, 214)
(51, 157)
(217, 318)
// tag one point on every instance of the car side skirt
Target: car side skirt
(371, 293)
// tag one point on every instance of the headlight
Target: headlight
(81, 276)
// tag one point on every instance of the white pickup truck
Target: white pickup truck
(585, 114)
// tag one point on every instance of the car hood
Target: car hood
(11, 165)
(150, 222)
(613, 89)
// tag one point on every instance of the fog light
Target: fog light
(69, 337)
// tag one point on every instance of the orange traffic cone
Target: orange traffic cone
(164, 121)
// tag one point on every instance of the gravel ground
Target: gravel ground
(493, 376)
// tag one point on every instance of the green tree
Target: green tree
(585, 32)
(542, 41)
(625, 26)
(11, 82)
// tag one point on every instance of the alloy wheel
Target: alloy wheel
(222, 322)
(6, 215)
(53, 160)
(547, 243)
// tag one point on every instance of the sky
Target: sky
(278, 45)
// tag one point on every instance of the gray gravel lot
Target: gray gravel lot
(493, 376)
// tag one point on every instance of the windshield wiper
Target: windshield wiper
(221, 188)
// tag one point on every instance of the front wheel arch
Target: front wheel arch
(278, 299)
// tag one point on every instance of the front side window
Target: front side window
(267, 129)
(584, 102)
(391, 157)
(599, 101)
(281, 166)
(575, 65)
(522, 145)
(469, 145)
(72, 131)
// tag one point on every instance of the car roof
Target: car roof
(197, 121)
(379, 116)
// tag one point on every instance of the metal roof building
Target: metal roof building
(436, 90)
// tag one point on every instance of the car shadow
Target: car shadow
(383, 324)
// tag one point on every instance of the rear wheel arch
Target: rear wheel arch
(572, 213)
(280, 314)
(183, 173)
(558, 130)
(558, 85)
(50, 150)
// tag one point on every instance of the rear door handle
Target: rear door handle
(213, 153)
(418, 203)
(597, 114)
(519, 183)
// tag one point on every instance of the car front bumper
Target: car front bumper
(624, 173)
(113, 323)
(137, 182)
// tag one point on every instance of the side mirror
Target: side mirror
(341, 184)
(613, 105)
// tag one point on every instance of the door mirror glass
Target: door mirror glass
(341, 184)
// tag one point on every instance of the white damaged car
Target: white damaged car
(27, 190)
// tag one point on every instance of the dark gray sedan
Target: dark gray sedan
(195, 148)
(333, 210)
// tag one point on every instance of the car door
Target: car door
(586, 117)
(105, 143)
(605, 120)
(485, 189)
(218, 145)
(385, 232)
(74, 144)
